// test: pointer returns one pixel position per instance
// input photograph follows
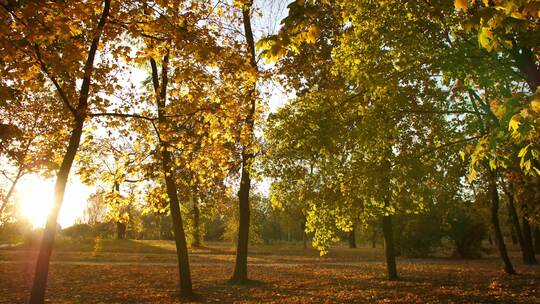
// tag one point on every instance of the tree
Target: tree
(240, 274)
(27, 131)
(53, 50)
(110, 163)
(189, 102)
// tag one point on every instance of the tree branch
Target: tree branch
(59, 89)
(125, 115)
(437, 112)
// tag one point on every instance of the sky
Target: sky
(34, 194)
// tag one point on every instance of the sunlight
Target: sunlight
(35, 200)
(35, 196)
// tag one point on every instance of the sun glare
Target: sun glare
(35, 197)
(35, 200)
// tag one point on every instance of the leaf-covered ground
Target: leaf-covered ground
(145, 272)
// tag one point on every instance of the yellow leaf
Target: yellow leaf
(492, 164)
(486, 38)
(461, 5)
(312, 34)
(513, 125)
(535, 105)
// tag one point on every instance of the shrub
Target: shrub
(80, 231)
(15, 232)
(466, 230)
(418, 235)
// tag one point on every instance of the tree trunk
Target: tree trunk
(494, 208)
(374, 239)
(389, 247)
(120, 227)
(528, 239)
(240, 274)
(240, 267)
(47, 241)
(537, 240)
(304, 234)
(352, 238)
(120, 231)
(186, 288)
(526, 64)
(10, 191)
(525, 252)
(196, 225)
(513, 235)
(37, 295)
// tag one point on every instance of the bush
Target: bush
(15, 232)
(80, 231)
(466, 230)
(418, 235)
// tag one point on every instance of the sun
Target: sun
(34, 201)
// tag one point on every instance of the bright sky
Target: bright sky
(34, 200)
(34, 196)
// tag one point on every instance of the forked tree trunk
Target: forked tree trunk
(352, 238)
(525, 252)
(186, 288)
(37, 295)
(494, 208)
(240, 274)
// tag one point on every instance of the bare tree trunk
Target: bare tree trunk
(513, 234)
(186, 288)
(10, 191)
(526, 64)
(389, 247)
(304, 234)
(240, 267)
(387, 227)
(537, 240)
(525, 252)
(120, 231)
(352, 238)
(494, 208)
(240, 274)
(47, 241)
(37, 295)
(196, 225)
(528, 240)
(120, 226)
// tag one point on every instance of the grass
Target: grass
(145, 272)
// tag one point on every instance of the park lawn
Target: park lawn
(145, 272)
